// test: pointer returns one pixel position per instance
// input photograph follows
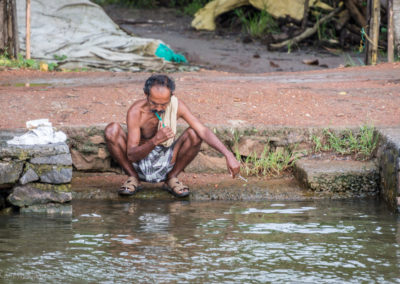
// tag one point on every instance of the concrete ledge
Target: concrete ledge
(348, 178)
(389, 166)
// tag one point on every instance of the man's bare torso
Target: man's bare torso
(148, 122)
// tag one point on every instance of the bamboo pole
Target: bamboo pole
(390, 39)
(376, 17)
(28, 29)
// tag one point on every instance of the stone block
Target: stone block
(49, 208)
(27, 195)
(97, 139)
(10, 171)
(102, 154)
(53, 174)
(28, 176)
(57, 175)
(66, 187)
(249, 146)
(207, 164)
(25, 152)
(62, 159)
(338, 176)
(92, 162)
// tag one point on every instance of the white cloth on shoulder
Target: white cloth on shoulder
(169, 119)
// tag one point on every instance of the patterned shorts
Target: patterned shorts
(156, 166)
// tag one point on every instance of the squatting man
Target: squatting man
(149, 151)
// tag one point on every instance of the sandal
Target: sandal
(130, 186)
(176, 188)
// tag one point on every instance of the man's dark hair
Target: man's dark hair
(159, 80)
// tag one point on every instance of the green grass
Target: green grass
(257, 24)
(361, 144)
(19, 62)
(22, 63)
(270, 163)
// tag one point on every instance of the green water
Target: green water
(204, 242)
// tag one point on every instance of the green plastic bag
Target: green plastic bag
(168, 54)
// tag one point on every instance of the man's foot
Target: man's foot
(176, 188)
(130, 186)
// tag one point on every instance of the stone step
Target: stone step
(203, 186)
(339, 177)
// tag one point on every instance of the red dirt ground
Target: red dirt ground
(334, 97)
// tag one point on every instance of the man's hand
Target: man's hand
(233, 165)
(162, 135)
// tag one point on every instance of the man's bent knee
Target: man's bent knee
(112, 131)
(194, 137)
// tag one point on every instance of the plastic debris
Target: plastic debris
(168, 54)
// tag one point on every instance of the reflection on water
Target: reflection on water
(243, 242)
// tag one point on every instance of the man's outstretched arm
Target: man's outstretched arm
(209, 137)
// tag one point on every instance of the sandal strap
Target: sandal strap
(176, 185)
(132, 180)
(131, 184)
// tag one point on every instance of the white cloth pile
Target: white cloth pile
(40, 132)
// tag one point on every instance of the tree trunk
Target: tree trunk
(8, 28)
(368, 49)
(396, 25)
(390, 39)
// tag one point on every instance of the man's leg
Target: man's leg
(116, 144)
(185, 150)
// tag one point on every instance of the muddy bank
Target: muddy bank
(225, 49)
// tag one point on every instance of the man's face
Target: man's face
(159, 98)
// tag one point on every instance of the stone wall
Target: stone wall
(34, 175)
(89, 151)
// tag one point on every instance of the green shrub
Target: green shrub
(19, 62)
